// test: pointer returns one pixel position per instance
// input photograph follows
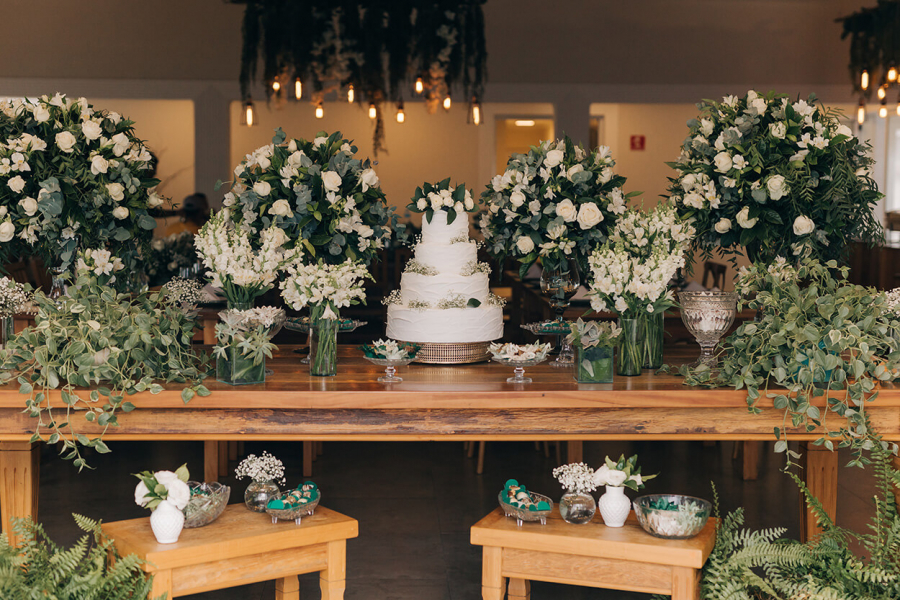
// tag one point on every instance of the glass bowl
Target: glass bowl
(707, 315)
(207, 502)
(390, 367)
(519, 367)
(685, 522)
(294, 514)
(523, 514)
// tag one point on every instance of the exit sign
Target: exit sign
(638, 142)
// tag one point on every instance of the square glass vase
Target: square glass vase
(594, 365)
(237, 369)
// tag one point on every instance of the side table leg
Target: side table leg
(750, 460)
(820, 471)
(493, 586)
(287, 588)
(519, 589)
(308, 450)
(20, 468)
(162, 584)
(223, 459)
(332, 580)
(685, 583)
(211, 460)
(575, 451)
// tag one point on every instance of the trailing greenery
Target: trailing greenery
(89, 350)
(38, 569)
(825, 341)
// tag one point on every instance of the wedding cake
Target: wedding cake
(444, 296)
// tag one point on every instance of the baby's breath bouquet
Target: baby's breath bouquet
(556, 203)
(14, 296)
(775, 177)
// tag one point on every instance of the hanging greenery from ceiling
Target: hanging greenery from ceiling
(874, 45)
(379, 47)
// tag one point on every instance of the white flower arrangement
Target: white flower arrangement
(519, 353)
(246, 332)
(557, 202)
(432, 197)
(99, 262)
(594, 333)
(621, 473)
(892, 301)
(261, 469)
(72, 177)
(322, 196)
(14, 297)
(187, 292)
(774, 177)
(576, 478)
(325, 288)
(234, 265)
(163, 486)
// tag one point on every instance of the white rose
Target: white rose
(803, 225)
(178, 494)
(295, 159)
(65, 141)
(116, 191)
(616, 478)
(365, 231)
(99, 165)
(120, 212)
(262, 188)
(16, 184)
(41, 114)
(688, 182)
(567, 210)
(29, 205)
(600, 476)
(777, 187)
(723, 226)
(589, 215)
(744, 220)
(553, 158)
(459, 207)
(469, 203)
(91, 130)
(319, 141)
(778, 130)
(331, 180)
(517, 198)
(7, 231)
(140, 493)
(573, 170)
(281, 208)
(121, 142)
(723, 162)
(422, 204)
(843, 130)
(154, 200)
(368, 179)
(739, 162)
(525, 244)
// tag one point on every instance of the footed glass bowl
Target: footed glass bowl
(686, 521)
(523, 514)
(293, 514)
(519, 368)
(390, 367)
(207, 502)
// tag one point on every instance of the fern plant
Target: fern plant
(39, 569)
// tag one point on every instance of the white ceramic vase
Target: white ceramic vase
(614, 506)
(166, 522)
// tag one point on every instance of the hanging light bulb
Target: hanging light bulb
(401, 114)
(420, 85)
(476, 111)
(882, 110)
(892, 74)
(864, 80)
(861, 112)
(351, 94)
(373, 111)
(248, 113)
(320, 110)
(276, 86)
(447, 102)
(882, 92)
(298, 88)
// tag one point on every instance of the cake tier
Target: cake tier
(438, 232)
(446, 258)
(451, 325)
(433, 288)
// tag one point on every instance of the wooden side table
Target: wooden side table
(593, 555)
(243, 547)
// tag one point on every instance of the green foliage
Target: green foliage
(38, 569)
(94, 337)
(826, 342)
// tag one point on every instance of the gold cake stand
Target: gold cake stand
(434, 353)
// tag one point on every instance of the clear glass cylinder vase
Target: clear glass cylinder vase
(577, 508)
(652, 329)
(259, 493)
(236, 368)
(323, 347)
(7, 330)
(594, 365)
(629, 360)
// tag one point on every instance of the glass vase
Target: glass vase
(652, 326)
(259, 493)
(560, 281)
(58, 283)
(7, 330)
(630, 359)
(577, 508)
(237, 369)
(594, 365)
(323, 347)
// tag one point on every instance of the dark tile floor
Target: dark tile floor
(415, 503)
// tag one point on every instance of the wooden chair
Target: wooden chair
(243, 547)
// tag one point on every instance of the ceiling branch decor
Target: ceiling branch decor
(377, 50)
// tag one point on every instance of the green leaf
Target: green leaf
(473, 303)
(187, 394)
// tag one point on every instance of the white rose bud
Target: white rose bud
(65, 141)
(91, 130)
(723, 226)
(7, 231)
(553, 158)
(777, 187)
(116, 191)
(567, 210)
(41, 114)
(422, 204)
(368, 179)
(517, 198)
(120, 212)
(573, 170)
(843, 130)
(458, 207)
(99, 165)
(331, 180)
(292, 146)
(803, 225)
(723, 162)
(154, 200)
(589, 215)
(16, 184)
(744, 220)
(29, 205)
(470, 204)
(281, 208)
(525, 244)
(262, 188)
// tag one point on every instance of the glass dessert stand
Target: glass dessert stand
(390, 365)
(519, 367)
(560, 329)
(301, 325)
(707, 315)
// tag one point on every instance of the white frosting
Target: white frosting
(451, 325)
(446, 258)
(438, 232)
(433, 288)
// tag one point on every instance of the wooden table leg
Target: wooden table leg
(685, 583)
(223, 458)
(162, 584)
(332, 580)
(493, 586)
(308, 450)
(287, 588)
(820, 471)
(209, 331)
(20, 469)
(519, 589)
(575, 452)
(210, 461)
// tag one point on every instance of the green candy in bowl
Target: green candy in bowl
(672, 516)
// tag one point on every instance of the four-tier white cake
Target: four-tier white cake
(444, 295)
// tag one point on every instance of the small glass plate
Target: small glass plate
(390, 365)
(519, 366)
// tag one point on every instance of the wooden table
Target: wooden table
(471, 402)
(594, 555)
(242, 547)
